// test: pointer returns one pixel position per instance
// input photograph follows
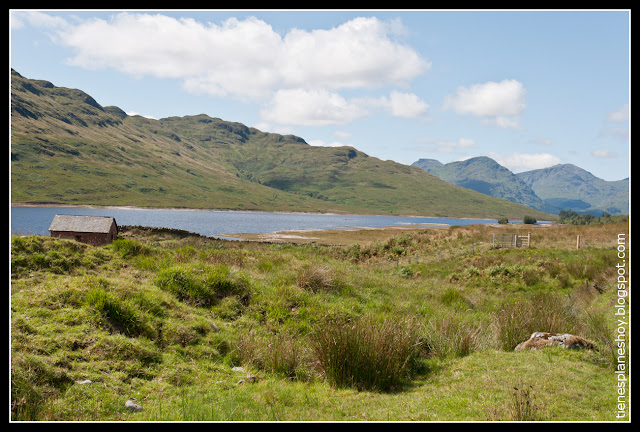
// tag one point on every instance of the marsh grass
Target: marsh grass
(516, 320)
(453, 336)
(366, 354)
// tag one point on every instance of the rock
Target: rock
(132, 406)
(539, 340)
(250, 378)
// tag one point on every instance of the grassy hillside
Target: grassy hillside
(68, 149)
(192, 328)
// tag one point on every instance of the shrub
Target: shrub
(201, 285)
(120, 314)
(365, 354)
(530, 220)
(503, 220)
(129, 248)
(316, 279)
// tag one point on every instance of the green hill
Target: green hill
(68, 149)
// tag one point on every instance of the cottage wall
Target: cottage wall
(94, 239)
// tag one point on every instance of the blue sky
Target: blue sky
(529, 89)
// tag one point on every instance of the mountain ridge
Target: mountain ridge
(68, 149)
(569, 187)
(561, 187)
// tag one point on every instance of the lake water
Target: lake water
(211, 223)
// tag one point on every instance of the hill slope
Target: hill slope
(485, 175)
(68, 149)
(561, 187)
(569, 187)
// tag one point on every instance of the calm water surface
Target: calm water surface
(36, 220)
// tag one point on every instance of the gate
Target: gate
(510, 240)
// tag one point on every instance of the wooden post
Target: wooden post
(578, 243)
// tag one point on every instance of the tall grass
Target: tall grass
(284, 354)
(516, 320)
(366, 354)
(452, 336)
(121, 315)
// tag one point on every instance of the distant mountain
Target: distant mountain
(68, 149)
(428, 164)
(561, 187)
(569, 187)
(486, 176)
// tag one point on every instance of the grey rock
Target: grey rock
(132, 406)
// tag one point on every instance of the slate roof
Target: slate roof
(85, 224)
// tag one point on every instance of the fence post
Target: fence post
(578, 243)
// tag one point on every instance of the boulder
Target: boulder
(132, 406)
(539, 340)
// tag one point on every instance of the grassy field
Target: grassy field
(382, 325)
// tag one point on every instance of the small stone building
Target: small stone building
(94, 230)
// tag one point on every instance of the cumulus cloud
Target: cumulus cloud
(314, 107)
(321, 107)
(518, 162)
(501, 102)
(296, 76)
(20, 19)
(406, 105)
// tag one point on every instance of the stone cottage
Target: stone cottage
(94, 230)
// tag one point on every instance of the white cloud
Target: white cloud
(500, 102)
(296, 77)
(246, 58)
(20, 19)
(518, 162)
(311, 108)
(620, 115)
(406, 105)
(356, 54)
(133, 113)
(321, 143)
(321, 107)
